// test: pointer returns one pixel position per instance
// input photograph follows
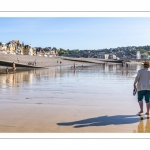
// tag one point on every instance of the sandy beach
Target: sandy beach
(94, 99)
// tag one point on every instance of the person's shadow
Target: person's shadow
(103, 121)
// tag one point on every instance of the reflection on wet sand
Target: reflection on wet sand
(143, 126)
(125, 72)
(106, 67)
(20, 77)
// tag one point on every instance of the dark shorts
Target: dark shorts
(144, 93)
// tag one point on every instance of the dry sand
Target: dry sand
(41, 61)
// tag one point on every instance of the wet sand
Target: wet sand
(56, 117)
(58, 100)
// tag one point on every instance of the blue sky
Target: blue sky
(77, 33)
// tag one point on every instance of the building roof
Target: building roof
(16, 41)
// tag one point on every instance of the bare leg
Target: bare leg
(148, 108)
(141, 107)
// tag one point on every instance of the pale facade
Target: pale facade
(3, 48)
(28, 50)
(138, 55)
(106, 56)
(11, 48)
(114, 57)
(53, 52)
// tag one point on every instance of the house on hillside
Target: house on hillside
(21, 47)
(14, 47)
(47, 51)
(16, 42)
(17, 46)
(28, 50)
(34, 50)
(11, 47)
(114, 56)
(101, 55)
(106, 56)
(38, 51)
(3, 47)
(53, 52)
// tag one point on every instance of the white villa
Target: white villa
(3, 47)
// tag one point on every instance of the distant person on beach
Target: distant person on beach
(18, 60)
(57, 61)
(35, 63)
(7, 72)
(60, 62)
(143, 87)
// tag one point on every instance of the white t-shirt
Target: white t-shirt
(143, 79)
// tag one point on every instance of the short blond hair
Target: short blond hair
(146, 64)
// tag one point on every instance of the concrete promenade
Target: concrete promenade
(85, 60)
(93, 60)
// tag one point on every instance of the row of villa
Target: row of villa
(15, 47)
